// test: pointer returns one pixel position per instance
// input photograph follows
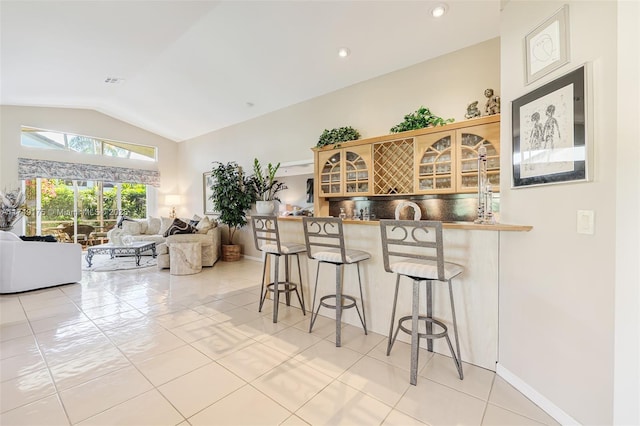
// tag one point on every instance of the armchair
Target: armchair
(58, 263)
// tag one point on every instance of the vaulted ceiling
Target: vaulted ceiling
(185, 68)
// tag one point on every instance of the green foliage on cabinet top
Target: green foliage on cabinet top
(419, 119)
(335, 136)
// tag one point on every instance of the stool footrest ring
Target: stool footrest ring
(434, 321)
(288, 287)
(351, 299)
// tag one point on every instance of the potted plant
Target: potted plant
(232, 195)
(337, 135)
(266, 186)
(420, 119)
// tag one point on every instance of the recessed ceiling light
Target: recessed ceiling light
(439, 10)
(343, 52)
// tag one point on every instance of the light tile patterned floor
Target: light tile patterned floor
(145, 347)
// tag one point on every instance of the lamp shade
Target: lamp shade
(172, 200)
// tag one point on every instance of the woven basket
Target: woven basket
(230, 252)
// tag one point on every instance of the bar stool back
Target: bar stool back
(266, 236)
(324, 240)
(414, 249)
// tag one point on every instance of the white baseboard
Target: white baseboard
(549, 407)
(257, 259)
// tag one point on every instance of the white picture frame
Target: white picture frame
(207, 182)
(546, 48)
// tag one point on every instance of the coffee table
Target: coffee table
(114, 250)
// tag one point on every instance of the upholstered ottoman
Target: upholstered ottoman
(207, 244)
(162, 250)
(186, 258)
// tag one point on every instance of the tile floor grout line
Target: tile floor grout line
(46, 363)
(486, 405)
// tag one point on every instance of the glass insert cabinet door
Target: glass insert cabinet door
(470, 141)
(330, 164)
(345, 171)
(434, 163)
(357, 162)
(447, 162)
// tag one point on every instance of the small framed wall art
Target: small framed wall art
(546, 48)
(550, 130)
(207, 182)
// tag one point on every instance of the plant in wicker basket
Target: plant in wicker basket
(232, 195)
(337, 135)
(420, 119)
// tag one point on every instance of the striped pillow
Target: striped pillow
(179, 227)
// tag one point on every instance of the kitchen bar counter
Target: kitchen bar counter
(445, 225)
(475, 291)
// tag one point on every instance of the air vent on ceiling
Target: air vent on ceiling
(114, 80)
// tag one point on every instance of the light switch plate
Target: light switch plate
(585, 222)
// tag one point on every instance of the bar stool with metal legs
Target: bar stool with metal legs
(324, 239)
(414, 249)
(266, 236)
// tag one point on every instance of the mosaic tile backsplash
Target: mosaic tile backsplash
(446, 208)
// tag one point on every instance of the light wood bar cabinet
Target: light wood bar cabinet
(433, 160)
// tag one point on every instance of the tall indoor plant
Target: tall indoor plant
(232, 195)
(266, 186)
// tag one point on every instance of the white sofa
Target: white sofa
(30, 265)
(153, 229)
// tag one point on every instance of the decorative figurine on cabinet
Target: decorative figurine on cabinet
(493, 103)
(472, 110)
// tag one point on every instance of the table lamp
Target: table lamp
(172, 200)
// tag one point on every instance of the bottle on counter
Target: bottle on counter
(342, 214)
(366, 214)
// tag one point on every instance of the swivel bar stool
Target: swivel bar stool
(414, 249)
(324, 239)
(266, 236)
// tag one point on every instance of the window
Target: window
(45, 139)
(53, 204)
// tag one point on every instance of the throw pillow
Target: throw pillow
(131, 227)
(194, 221)
(179, 227)
(144, 225)
(204, 225)
(45, 238)
(165, 223)
(153, 225)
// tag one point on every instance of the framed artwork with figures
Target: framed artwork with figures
(546, 48)
(550, 132)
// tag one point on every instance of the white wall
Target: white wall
(88, 123)
(557, 286)
(626, 409)
(445, 85)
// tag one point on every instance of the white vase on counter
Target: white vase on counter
(265, 207)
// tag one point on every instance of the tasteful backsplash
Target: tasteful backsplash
(446, 208)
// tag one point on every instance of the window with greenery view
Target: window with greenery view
(45, 139)
(50, 203)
